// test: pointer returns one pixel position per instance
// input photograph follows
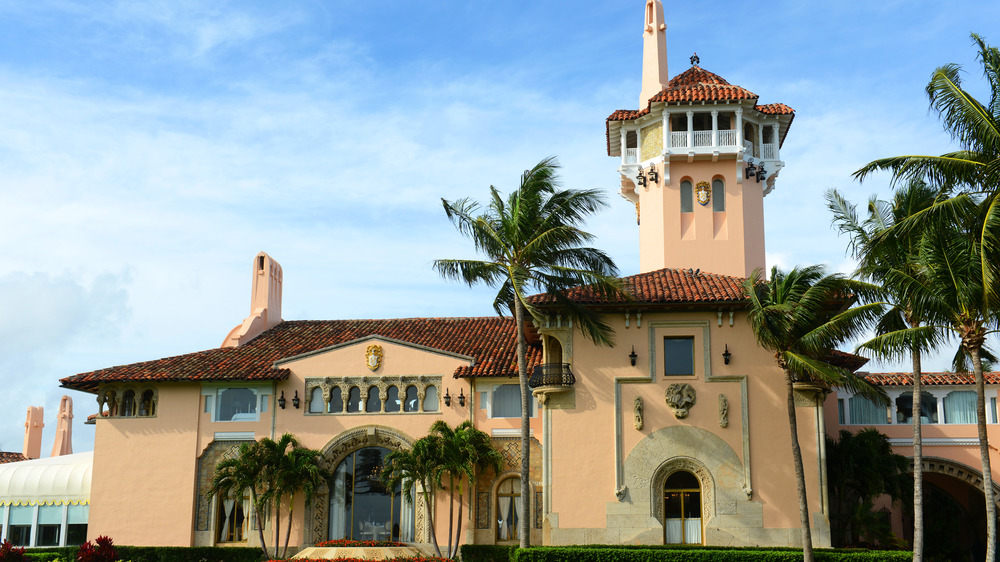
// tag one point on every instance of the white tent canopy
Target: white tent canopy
(49, 481)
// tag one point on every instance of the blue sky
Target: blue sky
(149, 150)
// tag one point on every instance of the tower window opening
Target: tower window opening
(260, 263)
(631, 140)
(687, 197)
(718, 196)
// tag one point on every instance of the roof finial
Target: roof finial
(654, 52)
(695, 60)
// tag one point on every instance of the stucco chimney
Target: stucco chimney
(33, 425)
(265, 302)
(64, 428)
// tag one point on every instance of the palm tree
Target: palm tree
(800, 317)
(466, 452)
(954, 291)
(420, 464)
(531, 241)
(273, 456)
(860, 468)
(878, 255)
(297, 470)
(239, 476)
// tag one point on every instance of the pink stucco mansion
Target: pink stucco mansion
(677, 434)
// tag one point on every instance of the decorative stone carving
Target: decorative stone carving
(637, 410)
(373, 357)
(621, 493)
(723, 411)
(366, 385)
(680, 397)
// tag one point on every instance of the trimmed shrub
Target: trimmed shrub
(190, 554)
(638, 553)
(487, 552)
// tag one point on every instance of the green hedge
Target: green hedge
(158, 554)
(487, 552)
(189, 554)
(640, 553)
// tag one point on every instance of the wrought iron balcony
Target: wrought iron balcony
(552, 374)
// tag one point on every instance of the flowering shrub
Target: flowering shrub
(103, 551)
(11, 553)
(410, 559)
(349, 543)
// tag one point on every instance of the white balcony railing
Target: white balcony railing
(769, 151)
(631, 155)
(678, 139)
(727, 138)
(703, 138)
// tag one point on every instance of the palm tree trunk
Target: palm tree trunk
(458, 527)
(288, 528)
(430, 519)
(918, 468)
(984, 453)
(260, 521)
(800, 475)
(522, 375)
(451, 508)
(277, 526)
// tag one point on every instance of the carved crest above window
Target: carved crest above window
(703, 193)
(373, 357)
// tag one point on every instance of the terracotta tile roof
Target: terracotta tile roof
(6, 457)
(696, 85)
(775, 109)
(490, 341)
(934, 379)
(665, 286)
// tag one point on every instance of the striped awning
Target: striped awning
(49, 481)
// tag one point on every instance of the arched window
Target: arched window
(392, 403)
(354, 400)
(316, 404)
(682, 509)
(928, 408)
(718, 196)
(509, 509)
(147, 406)
(361, 508)
(412, 401)
(431, 399)
(336, 400)
(374, 403)
(128, 404)
(687, 197)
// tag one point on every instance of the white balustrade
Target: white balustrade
(727, 138)
(678, 139)
(631, 155)
(769, 151)
(703, 138)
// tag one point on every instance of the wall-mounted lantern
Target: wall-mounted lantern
(295, 400)
(461, 398)
(726, 356)
(632, 356)
(281, 400)
(447, 398)
(653, 175)
(641, 178)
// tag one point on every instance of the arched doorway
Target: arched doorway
(361, 507)
(509, 509)
(682, 509)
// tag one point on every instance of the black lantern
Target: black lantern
(751, 170)
(653, 176)
(295, 400)
(281, 400)
(632, 356)
(641, 178)
(761, 173)
(726, 356)
(447, 398)
(461, 398)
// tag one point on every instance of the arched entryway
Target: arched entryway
(954, 511)
(361, 507)
(682, 507)
(356, 504)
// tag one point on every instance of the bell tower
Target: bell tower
(697, 158)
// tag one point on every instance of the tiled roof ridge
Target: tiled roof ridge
(940, 378)
(489, 340)
(666, 285)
